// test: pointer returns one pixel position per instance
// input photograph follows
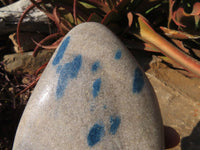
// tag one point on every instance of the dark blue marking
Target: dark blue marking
(138, 81)
(61, 51)
(95, 66)
(105, 106)
(95, 135)
(115, 122)
(92, 108)
(69, 71)
(58, 68)
(96, 87)
(118, 54)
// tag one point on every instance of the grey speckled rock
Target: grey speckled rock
(92, 95)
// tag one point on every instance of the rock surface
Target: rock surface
(92, 95)
(9, 17)
(25, 62)
(179, 101)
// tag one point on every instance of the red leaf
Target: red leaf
(183, 19)
(147, 34)
(174, 34)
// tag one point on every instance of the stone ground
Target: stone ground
(178, 95)
(179, 100)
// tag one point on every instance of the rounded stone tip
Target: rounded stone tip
(92, 94)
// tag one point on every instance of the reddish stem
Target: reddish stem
(42, 67)
(60, 25)
(36, 4)
(74, 12)
(19, 24)
(52, 46)
(57, 20)
(106, 16)
(44, 40)
(29, 86)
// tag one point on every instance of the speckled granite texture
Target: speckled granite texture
(92, 95)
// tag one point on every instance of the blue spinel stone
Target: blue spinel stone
(95, 66)
(96, 87)
(115, 122)
(92, 95)
(95, 135)
(118, 54)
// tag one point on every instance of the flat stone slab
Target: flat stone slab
(179, 101)
(92, 95)
(26, 62)
(36, 20)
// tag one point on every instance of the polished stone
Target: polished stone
(92, 95)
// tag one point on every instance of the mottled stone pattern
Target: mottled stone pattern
(92, 95)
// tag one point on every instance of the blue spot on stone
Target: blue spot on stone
(92, 108)
(138, 81)
(58, 68)
(96, 87)
(95, 134)
(95, 66)
(69, 71)
(115, 122)
(105, 106)
(61, 51)
(118, 54)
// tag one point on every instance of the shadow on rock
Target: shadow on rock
(192, 142)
